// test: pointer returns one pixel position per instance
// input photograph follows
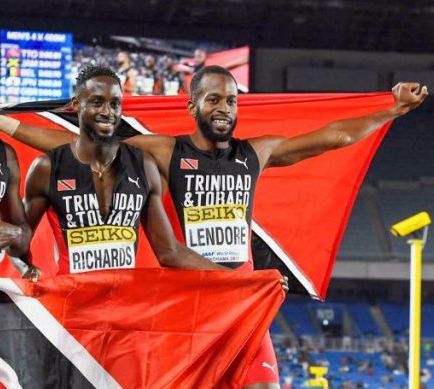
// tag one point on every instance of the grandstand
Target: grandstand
(365, 345)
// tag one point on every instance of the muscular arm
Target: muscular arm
(36, 193)
(280, 151)
(42, 138)
(14, 230)
(169, 252)
(160, 147)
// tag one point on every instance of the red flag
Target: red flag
(148, 328)
(300, 211)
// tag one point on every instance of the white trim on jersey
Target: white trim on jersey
(286, 259)
(45, 322)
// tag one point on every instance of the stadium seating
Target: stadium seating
(363, 320)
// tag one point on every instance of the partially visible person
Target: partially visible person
(172, 82)
(15, 233)
(127, 73)
(147, 78)
(192, 66)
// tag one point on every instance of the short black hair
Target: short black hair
(197, 78)
(91, 71)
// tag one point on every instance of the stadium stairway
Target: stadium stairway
(373, 209)
(381, 321)
(285, 327)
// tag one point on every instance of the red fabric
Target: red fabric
(155, 328)
(264, 366)
(313, 198)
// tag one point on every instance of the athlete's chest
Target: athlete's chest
(83, 200)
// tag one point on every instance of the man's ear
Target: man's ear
(191, 108)
(75, 103)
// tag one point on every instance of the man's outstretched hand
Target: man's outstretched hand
(408, 96)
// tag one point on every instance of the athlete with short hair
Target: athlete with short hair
(211, 176)
(97, 191)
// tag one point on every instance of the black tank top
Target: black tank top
(87, 241)
(4, 170)
(213, 198)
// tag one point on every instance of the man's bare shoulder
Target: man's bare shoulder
(41, 165)
(265, 142)
(151, 143)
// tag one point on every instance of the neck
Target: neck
(203, 143)
(91, 152)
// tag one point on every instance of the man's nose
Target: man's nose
(224, 106)
(105, 109)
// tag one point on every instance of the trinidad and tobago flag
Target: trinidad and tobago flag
(300, 212)
(158, 328)
(143, 328)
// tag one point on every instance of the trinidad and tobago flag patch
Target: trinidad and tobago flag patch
(189, 164)
(64, 185)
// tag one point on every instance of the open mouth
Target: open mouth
(104, 124)
(221, 124)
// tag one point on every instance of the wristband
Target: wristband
(8, 125)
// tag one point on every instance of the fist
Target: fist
(408, 96)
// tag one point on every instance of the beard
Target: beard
(99, 139)
(208, 133)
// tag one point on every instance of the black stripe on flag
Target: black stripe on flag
(37, 363)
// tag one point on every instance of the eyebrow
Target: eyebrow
(215, 94)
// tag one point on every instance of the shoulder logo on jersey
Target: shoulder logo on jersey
(244, 163)
(135, 182)
(189, 164)
(65, 185)
(268, 366)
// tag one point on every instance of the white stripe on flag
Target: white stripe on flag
(45, 322)
(60, 121)
(286, 259)
(8, 377)
(133, 122)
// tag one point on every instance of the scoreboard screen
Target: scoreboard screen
(34, 66)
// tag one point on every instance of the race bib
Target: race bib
(101, 248)
(218, 232)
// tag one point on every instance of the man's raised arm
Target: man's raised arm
(281, 151)
(40, 138)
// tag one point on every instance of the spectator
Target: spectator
(127, 73)
(147, 79)
(172, 82)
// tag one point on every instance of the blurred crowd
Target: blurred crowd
(142, 73)
(387, 366)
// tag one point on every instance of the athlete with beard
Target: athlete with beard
(97, 191)
(211, 176)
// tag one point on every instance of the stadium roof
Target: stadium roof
(379, 25)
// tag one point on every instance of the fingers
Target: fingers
(32, 274)
(284, 283)
(414, 87)
(424, 91)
